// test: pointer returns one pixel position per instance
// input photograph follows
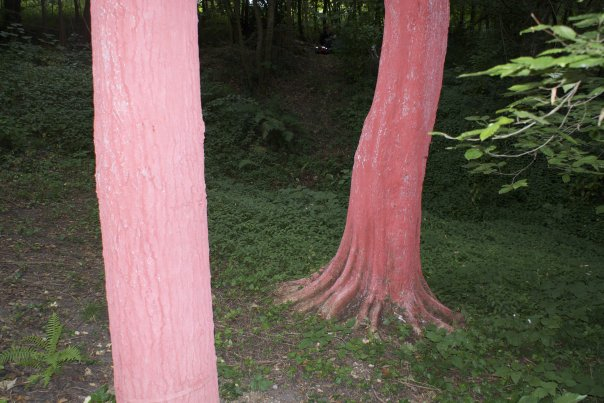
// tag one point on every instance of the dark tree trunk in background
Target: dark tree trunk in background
(259, 40)
(232, 11)
(238, 37)
(12, 11)
(300, 21)
(245, 18)
(43, 12)
(354, 9)
(77, 18)
(472, 15)
(460, 20)
(86, 19)
(237, 23)
(289, 19)
(62, 35)
(268, 38)
(315, 7)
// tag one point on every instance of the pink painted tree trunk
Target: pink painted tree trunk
(150, 184)
(378, 261)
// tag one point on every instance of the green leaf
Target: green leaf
(570, 60)
(501, 70)
(505, 189)
(590, 159)
(476, 118)
(600, 209)
(472, 154)
(596, 92)
(490, 130)
(568, 138)
(531, 116)
(565, 178)
(587, 63)
(542, 63)
(504, 120)
(515, 376)
(467, 134)
(552, 51)
(524, 87)
(244, 163)
(547, 151)
(528, 399)
(536, 28)
(564, 32)
(569, 398)
(522, 183)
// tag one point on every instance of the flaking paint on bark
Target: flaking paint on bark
(378, 261)
(150, 185)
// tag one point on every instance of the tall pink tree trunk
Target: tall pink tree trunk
(378, 261)
(150, 184)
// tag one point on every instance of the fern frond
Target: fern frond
(47, 375)
(53, 328)
(69, 354)
(33, 379)
(36, 341)
(26, 356)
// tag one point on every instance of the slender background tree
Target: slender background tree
(378, 262)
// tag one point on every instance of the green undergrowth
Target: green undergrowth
(530, 296)
(46, 98)
(259, 237)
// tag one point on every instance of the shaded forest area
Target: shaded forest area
(526, 268)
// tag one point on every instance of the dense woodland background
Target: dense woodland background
(526, 268)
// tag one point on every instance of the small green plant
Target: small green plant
(93, 311)
(42, 353)
(102, 395)
(260, 383)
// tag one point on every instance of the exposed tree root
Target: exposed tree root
(344, 289)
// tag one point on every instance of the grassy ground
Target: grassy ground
(527, 270)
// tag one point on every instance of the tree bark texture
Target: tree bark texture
(378, 261)
(148, 134)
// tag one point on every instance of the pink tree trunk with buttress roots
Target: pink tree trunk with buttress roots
(378, 262)
(148, 134)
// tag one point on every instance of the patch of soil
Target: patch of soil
(50, 261)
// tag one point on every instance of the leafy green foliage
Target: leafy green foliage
(243, 137)
(42, 353)
(102, 395)
(254, 233)
(361, 42)
(557, 115)
(46, 97)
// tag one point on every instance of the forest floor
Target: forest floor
(530, 290)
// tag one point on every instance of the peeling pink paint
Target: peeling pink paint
(378, 261)
(150, 184)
